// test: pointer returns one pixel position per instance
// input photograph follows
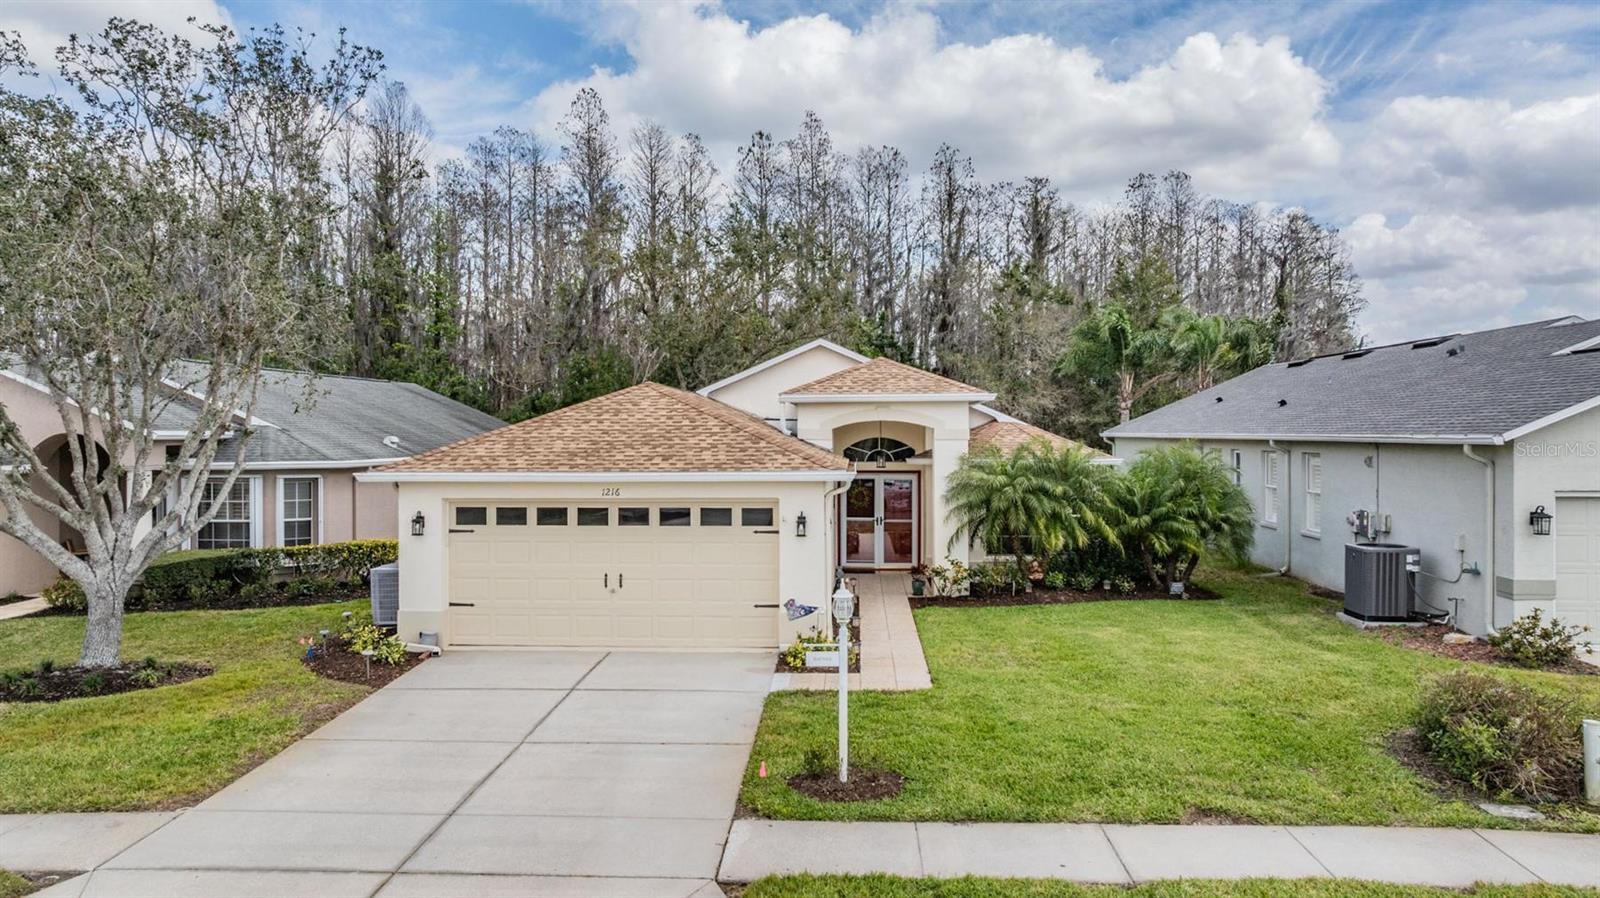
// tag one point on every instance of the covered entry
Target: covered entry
(692, 574)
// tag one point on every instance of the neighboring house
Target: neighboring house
(657, 517)
(1450, 444)
(304, 447)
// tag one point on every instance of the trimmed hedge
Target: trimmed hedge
(201, 578)
(213, 576)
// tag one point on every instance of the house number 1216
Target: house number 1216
(611, 491)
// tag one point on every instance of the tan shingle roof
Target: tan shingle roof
(881, 375)
(648, 427)
(1008, 435)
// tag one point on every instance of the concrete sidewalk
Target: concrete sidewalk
(1091, 852)
(22, 608)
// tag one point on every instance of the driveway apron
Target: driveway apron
(560, 773)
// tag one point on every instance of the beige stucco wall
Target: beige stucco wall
(758, 393)
(350, 510)
(1559, 461)
(22, 569)
(805, 570)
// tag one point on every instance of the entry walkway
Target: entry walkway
(1091, 852)
(891, 650)
(23, 608)
(530, 773)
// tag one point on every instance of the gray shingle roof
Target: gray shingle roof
(1475, 386)
(339, 419)
(347, 418)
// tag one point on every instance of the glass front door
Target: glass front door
(880, 521)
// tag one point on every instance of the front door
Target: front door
(880, 521)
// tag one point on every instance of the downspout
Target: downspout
(832, 533)
(1285, 505)
(1488, 531)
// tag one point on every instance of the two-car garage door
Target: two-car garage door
(682, 574)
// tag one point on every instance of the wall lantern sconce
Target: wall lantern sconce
(417, 524)
(1539, 520)
(800, 524)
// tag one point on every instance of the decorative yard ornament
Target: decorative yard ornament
(795, 610)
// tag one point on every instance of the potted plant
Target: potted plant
(919, 579)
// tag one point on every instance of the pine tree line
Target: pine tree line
(537, 271)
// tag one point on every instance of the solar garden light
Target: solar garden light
(844, 608)
(324, 635)
(367, 654)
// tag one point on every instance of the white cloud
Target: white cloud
(1239, 113)
(46, 24)
(1488, 153)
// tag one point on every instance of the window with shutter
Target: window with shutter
(1313, 478)
(1269, 486)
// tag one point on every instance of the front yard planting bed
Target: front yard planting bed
(48, 683)
(1060, 597)
(1430, 639)
(165, 747)
(894, 887)
(336, 662)
(1257, 707)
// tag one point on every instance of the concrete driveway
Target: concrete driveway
(482, 773)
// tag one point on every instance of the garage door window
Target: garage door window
(594, 517)
(675, 517)
(552, 517)
(511, 517)
(755, 517)
(472, 516)
(716, 517)
(633, 517)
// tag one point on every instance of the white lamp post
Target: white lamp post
(844, 608)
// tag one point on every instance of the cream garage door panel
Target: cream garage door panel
(615, 576)
(1577, 535)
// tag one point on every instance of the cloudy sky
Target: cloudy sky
(1457, 144)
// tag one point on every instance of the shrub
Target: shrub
(819, 761)
(1083, 581)
(794, 654)
(1175, 503)
(993, 578)
(1501, 737)
(1055, 580)
(66, 593)
(1531, 642)
(212, 576)
(199, 577)
(949, 577)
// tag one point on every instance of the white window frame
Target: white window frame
(1237, 457)
(255, 510)
(1313, 493)
(316, 528)
(1271, 486)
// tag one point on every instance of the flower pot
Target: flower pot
(916, 586)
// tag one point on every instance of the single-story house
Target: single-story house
(298, 485)
(653, 516)
(1458, 445)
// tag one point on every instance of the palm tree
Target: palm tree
(1037, 497)
(1215, 347)
(1177, 503)
(1111, 347)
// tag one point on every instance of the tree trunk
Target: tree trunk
(1188, 568)
(102, 639)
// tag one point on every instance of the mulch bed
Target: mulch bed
(75, 682)
(855, 666)
(1062, 597)
(232, 603)
(864, 785)
(338, 663)
(1430, 639)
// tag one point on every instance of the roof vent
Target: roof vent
(1298, 362)
(1219, 398)
(1282, 403)
(1456, 350)
(1431, 341)
(392, 441)
(1356, 353)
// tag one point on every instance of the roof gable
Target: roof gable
(648, 428)
(1482, 387)
(779, 359)
(885, 376)
(1008, 435)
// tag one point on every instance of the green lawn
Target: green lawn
(1257, 707)
(172, 745)
(12, 885)
(891, 887)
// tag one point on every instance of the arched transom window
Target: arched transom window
(878, 449)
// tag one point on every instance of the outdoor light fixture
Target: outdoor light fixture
(417, 524)
(1539, 520)
(800, 524)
